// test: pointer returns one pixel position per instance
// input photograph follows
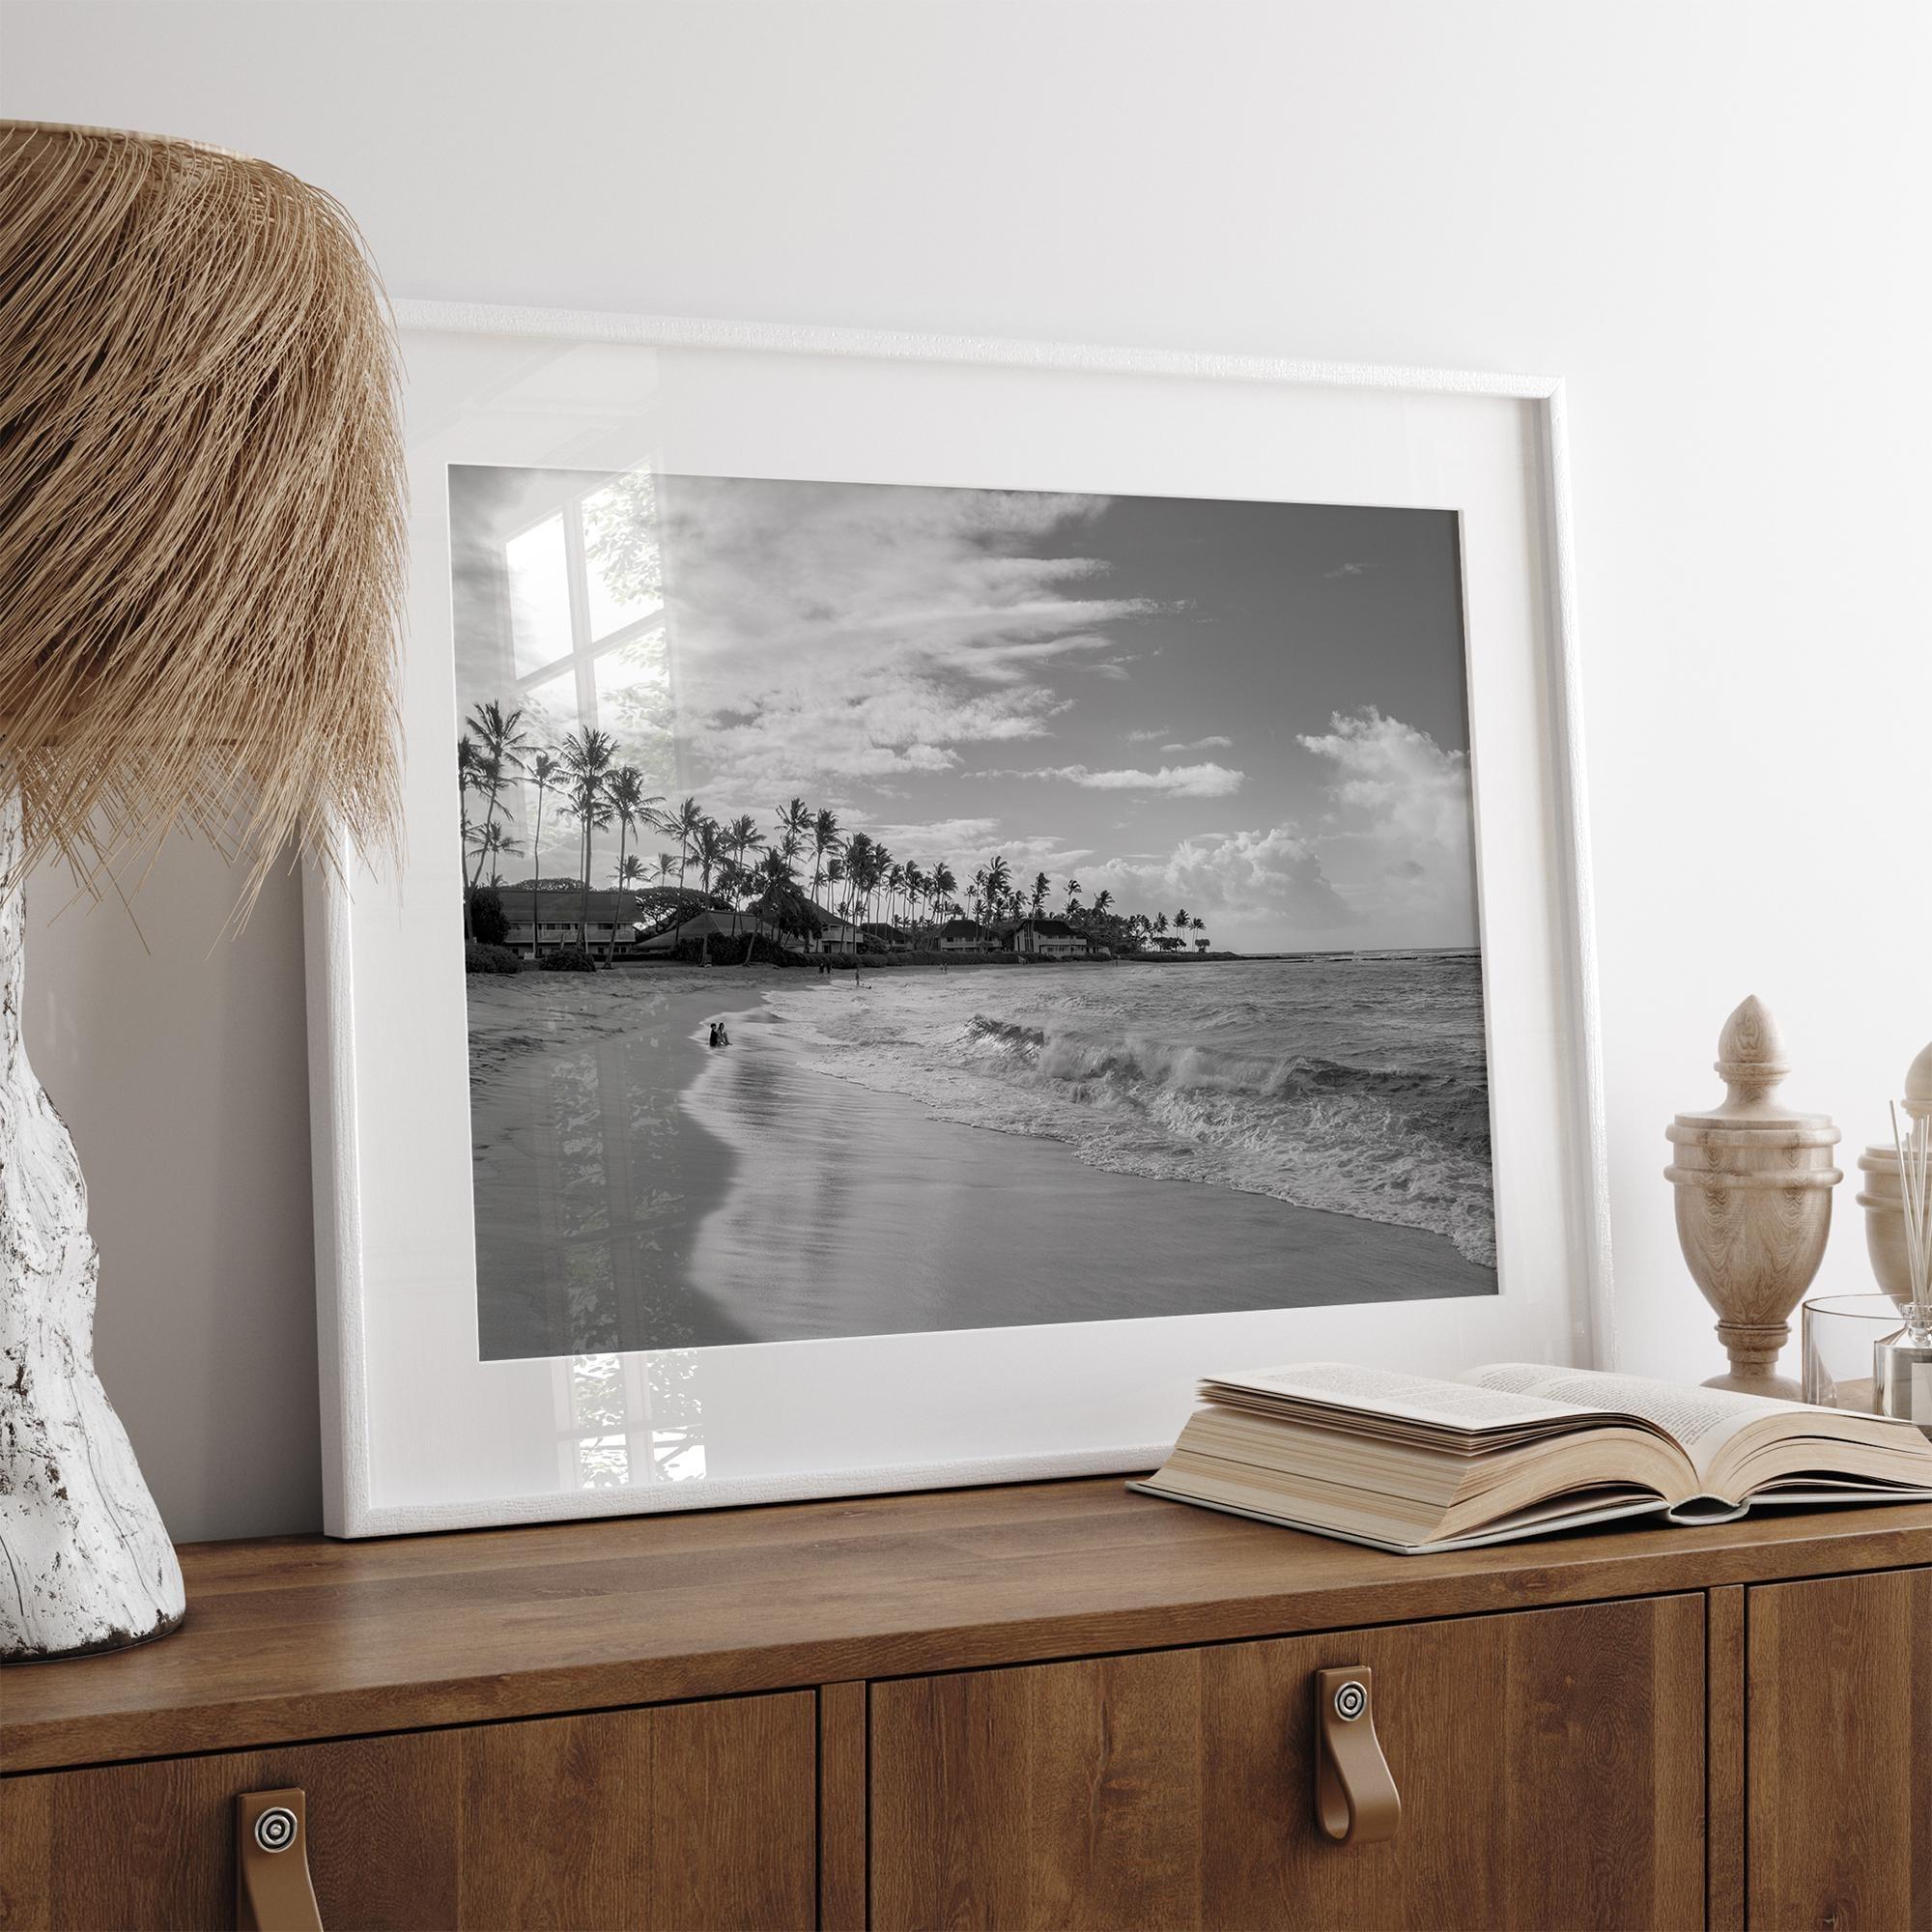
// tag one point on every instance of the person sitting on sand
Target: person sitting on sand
(718, 1037)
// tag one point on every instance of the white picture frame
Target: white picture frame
(418, 1434)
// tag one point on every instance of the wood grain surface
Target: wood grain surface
(688, 1816)
(1841, 1751)
(302, 1638)
(844, 1803)
(1550, 1767)
(1725, 1758)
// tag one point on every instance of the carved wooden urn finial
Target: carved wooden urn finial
(1751, 1061)
(1753, 1182)
(1918, 1085)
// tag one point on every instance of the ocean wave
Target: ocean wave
(1402, 1144)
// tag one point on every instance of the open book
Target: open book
(1411, 1463)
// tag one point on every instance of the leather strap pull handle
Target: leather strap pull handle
(1355, 1799)
(272, 1892)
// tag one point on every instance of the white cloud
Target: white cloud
(1403, 820)
(1410, 789)
(1215, 744)
(1175, 781)
(1270, 875)
(850, 629)
(1147, 736)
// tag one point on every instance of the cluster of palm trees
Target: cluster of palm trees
(736, 861)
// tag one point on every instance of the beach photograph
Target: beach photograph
(895, 909)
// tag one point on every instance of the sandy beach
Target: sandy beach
(638, 1190)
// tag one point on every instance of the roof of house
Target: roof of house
(965, 928)
(720, 926)
(1052, 928)
(567, 908)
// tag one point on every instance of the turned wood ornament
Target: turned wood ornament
(1882, 1198)
(1753, 1182)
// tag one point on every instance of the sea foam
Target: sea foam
(1355, 1086)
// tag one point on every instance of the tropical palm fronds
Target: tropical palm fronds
(201, 504)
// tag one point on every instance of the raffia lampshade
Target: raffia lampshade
(201, 503)
(200, 556)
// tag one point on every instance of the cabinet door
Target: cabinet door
(682, 1817)
(1551, 1765)
(1840, 1747)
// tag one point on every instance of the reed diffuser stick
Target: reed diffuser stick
(1913, 1139)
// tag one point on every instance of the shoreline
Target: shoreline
(637, 1191)
(914, 1192)
(596, 1180)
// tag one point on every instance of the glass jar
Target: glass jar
(1838, 1334)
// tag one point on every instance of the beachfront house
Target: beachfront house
(553, 916)
(884, 938)
(967, 935)
(1047, 939)
(720, 930)
(834, 935)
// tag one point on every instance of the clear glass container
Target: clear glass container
(1838, 1334)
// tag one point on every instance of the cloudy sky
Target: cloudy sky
(1256, 710)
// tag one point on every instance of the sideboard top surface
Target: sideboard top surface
(298, 1639)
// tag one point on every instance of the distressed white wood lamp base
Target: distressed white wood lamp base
(85, 1563)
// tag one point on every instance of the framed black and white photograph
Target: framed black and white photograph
(948, 889)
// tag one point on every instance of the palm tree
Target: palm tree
(859, 851)
(1181, 921)
(634, 807)
(500, 733)
(486, 778)
(499, 845)
(1072, 896)
(588, 756)
(914, 890)
(825, 839)
(1042, 886)
(708, 848)
(466, 777)
(668, 864)
(1102, 899)
(683, 826)
(500, 744)
(741, 836)
(1159, 924)
(943, 886)
(999, 875)
(465, 770)
(543, 772)
(794, 829)
(631, 875)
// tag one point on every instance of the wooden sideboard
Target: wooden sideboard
(1050, 1705)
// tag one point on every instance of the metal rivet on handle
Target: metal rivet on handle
(1351, 1701)
(275, 1828)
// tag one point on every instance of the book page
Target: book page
(1444, 1404)
(1701, 1420)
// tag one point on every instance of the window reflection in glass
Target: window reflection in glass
(539, 573)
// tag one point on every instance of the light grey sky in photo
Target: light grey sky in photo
(1255, 710)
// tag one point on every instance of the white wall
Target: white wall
(1711, 218)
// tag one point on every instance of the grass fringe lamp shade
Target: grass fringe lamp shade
(201, 543)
